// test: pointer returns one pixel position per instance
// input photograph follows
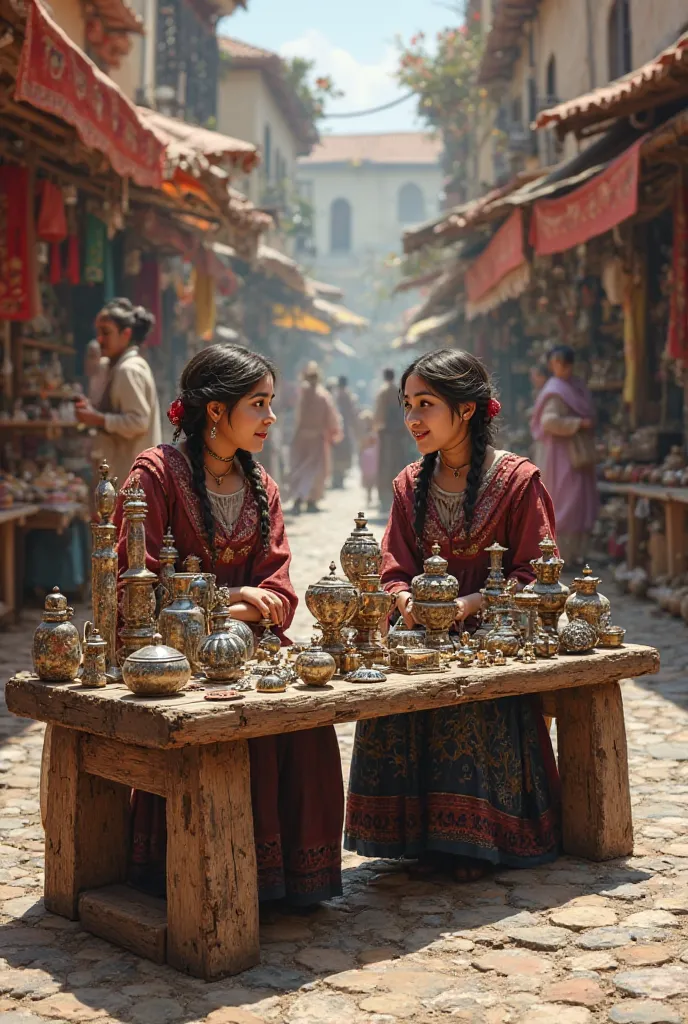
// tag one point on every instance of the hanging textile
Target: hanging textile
(590, 210)
(94, 264)
(73, 262)
(204, 300)
(500, 272)
(17, 279)
(52, 220)
(148, 294)
(55, 263)
(635, 330)
(677, 342)
(109, 287)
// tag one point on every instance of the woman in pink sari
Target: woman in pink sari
(561, 425)
(222, 506)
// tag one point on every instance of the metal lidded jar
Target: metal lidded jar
(435, 593)
(332, 602)
(56, 643)
(360, 555)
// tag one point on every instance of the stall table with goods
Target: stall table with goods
(11, 518)
(166, 705)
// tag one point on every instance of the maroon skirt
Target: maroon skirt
(297, 795)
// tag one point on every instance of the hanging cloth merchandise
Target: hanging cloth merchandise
(109, 287)
(55, 263)
(204, 299)
(635, 324)
(73, 262)
(148, 293)
(677, 342)
(17, 268)
(94, 266)
(52, 219)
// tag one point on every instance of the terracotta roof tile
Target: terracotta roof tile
(388, 148)
(661, 80)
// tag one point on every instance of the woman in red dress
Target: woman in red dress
(222, 506)
(473, 785)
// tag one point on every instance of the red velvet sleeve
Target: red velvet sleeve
(270, 569)
(529, 521)
(400, 557)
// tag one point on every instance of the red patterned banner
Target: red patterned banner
(503, 255)
(15, 269)
(596, 207)
(55, 76)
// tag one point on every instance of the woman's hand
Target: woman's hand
(268, 604)
(85, 413)
(468, 606)
(405, 608)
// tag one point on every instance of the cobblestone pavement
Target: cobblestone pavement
(570, 943)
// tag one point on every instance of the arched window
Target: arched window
(619, 39)
(340, 226)
(410, 204)
(551, 84)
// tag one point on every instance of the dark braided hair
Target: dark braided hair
(456, 377)
(221, 373)
(124, 313)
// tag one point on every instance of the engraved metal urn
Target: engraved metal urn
(547, 585)
(504, 636)
(156, 670)
(93, 672)
(374, 604)
(104, 568)
(138, 628)
(333, 602)
(577, 636)
(202, 590)
(315, 667)
(585, 602)
(223, 653)
(168, 566)
(360, 555)
(182, 623)
(56, 643)
(434, 594)
(493, 591)
(242, 629)
(270, 645)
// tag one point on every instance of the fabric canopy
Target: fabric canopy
(500, 272)
(596, 207)
(56, 76)
(295, 319)
(339, 315)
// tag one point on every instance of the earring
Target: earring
(213, 432)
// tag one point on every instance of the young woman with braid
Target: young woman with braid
(459, 788)
(221, 505)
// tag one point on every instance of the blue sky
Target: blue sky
(351, 40)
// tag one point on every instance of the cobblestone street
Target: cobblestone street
(569, 943)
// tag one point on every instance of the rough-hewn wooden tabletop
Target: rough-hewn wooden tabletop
(187, 718)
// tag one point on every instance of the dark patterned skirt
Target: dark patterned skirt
(297, 795)
(476, 780)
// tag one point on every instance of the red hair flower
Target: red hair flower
(493, 408)
(175, 413)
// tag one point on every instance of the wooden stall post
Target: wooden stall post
(675, 516)
(86, 827)
(212, 889)
(593, 766)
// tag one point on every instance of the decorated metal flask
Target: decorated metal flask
(56, 644)
(93, 672)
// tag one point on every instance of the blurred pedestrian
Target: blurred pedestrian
(343, 452)
(368, 453)
(317, 427)
(562, 423)
(389, 424)
(96, 371)
(539, 375)
(127, 413)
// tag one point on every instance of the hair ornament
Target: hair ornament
(494, 407)
(175, 413)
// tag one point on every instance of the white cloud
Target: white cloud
(363, 85)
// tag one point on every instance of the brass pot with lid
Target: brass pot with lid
(94, 669)
(434, 594)
(585, 602)
(547, 585)
(360, 555)
(156, 670)
(56, 643)
(222, 654)
(182, 622)
(314, 666)
(333, 602)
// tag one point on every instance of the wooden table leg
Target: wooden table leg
(675, 518)
(8, 583)
(212, 885)
(593, 765)
(86, 827)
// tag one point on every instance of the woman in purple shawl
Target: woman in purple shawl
(561, 424)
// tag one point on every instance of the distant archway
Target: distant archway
(340, 226)
(410, 204)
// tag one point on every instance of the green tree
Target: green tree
(445, 78)
(312, 91)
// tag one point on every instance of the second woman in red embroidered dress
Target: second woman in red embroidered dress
(472, 785)
(221, 505)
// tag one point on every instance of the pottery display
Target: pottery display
(156, 670)
(434, 595)
(56, 643)
(332, 602)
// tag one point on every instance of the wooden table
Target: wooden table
(675, 500)
(11, 518)
(194, 753)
